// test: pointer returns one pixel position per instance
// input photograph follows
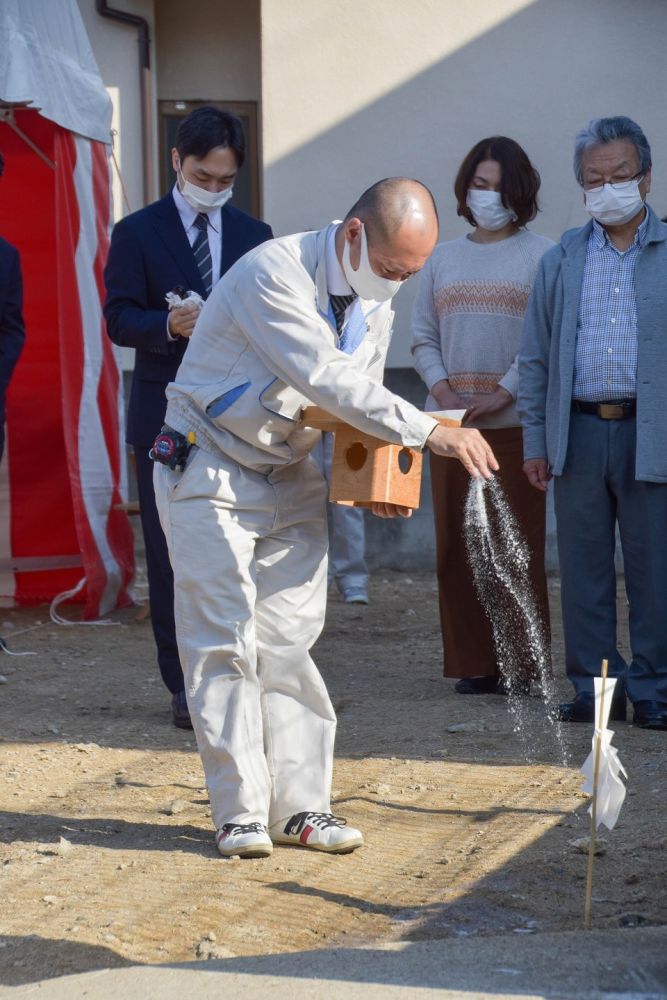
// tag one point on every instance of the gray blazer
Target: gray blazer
(547, 352)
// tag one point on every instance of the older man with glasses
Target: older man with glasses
(592, 379)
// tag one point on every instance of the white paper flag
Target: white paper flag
(611, 790)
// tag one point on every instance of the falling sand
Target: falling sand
(499, 558)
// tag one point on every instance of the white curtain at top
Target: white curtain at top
(46, 61)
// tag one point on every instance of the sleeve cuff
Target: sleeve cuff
(510, 381)
(433, 374)
(534, 443)
(419, 430)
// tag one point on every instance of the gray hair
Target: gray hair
(602, 130)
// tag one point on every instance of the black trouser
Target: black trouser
(160, 576)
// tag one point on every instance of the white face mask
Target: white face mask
(364, 281)
(614, 204)
(488, 210)
(200, 199)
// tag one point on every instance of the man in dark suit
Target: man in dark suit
(12, 331)
(187, 239)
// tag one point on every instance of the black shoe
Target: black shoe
(179, 711)
(582, 709)
(476, 685)
(515, 688)
(650, 715)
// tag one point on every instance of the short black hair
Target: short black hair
(209, 128)
(519, 183)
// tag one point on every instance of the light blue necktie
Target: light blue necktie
(350, 336)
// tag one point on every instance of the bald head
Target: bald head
(390, 204)
(400, 221)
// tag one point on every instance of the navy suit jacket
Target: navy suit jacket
(12, 331)
(149, 256)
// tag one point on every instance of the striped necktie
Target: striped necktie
(202, 252)
(339, 304)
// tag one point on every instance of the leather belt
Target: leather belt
(618, 409)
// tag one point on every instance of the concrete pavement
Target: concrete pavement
(623, 964)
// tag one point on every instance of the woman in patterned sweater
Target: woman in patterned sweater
(466, 327)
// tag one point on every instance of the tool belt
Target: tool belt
(171, 448)
(609, 410)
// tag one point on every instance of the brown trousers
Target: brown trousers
(467, 635)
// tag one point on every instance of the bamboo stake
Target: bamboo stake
(7, 116)
(120, 178)
(596, 775)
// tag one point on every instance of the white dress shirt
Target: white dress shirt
(214, 232)
(337, 283)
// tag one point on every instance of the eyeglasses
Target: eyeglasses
(619, 186)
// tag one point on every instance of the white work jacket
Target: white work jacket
(265, 346)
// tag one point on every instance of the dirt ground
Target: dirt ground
(471, 828)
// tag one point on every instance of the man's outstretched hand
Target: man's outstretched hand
(468, 446)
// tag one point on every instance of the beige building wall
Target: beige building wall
(351, 91)
(116, 51)
(208, 50)
(210, 54)
(355, 91)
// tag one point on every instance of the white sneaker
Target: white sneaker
(321, 831)
(247, 840)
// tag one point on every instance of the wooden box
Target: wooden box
(367, 470)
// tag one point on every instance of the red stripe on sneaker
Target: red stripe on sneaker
(307, 830)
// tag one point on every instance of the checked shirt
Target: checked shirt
(606, 352)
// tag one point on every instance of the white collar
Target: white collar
(337, 283)
(188, 214)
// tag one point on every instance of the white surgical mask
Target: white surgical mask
(200, 199)
(488, 210)
(364, 281)
(614, 204)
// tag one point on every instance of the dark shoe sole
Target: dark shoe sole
(182, 723)
(500, 687)
(566, 713)
(469, 685)
(650, 723)
(518, 690)
(650, 715)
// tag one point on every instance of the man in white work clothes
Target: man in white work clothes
(301, 320)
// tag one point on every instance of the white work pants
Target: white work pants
(249, 554)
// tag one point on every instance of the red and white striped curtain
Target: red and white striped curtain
(63, 474)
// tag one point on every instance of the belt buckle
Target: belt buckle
(611, 411)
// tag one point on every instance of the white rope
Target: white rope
(5, 649)
(31, 628)
(65, 596)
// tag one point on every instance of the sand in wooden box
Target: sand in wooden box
(367, 470)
